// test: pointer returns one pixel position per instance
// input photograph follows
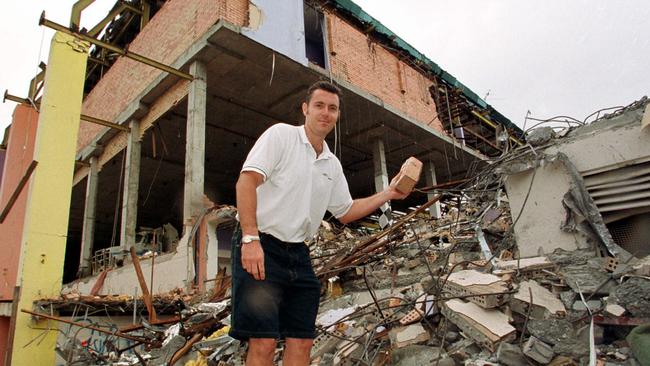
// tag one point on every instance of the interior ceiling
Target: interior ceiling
(249, 89)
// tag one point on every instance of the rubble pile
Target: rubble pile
(438, 291)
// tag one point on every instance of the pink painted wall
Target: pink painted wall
(20, 152)
(4, 335)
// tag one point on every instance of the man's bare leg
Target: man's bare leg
(296, 352)
(260, 352)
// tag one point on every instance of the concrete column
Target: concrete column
(430, 176)
(48, 203)
(381, 180)
(131, 187)
(195, 145)
(88, 232)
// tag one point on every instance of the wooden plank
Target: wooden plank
(146, 296)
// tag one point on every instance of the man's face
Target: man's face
(321, 113)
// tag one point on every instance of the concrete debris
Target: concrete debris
(488, 289)
(540, 136)
(544, 303)
(553, 331)
(465, 288)
(634, 296)
(405, 336)
(418, 355)
(538, 350)
(488, 327)
(615, 309)
(510, 355)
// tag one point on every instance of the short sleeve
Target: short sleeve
(340, 200)
(266, 153)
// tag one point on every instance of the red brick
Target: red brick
(177, 25)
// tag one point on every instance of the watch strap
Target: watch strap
(249, 238)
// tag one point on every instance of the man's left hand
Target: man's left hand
(392, 191)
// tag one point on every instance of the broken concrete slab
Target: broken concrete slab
(510, 355)
(462, 350)
(538, 350)
(634, 295)
(552, 331)
(540, 136)
(408, 335)
(572, 348)
(525, 265)
(544, 302)
(588, 280)
(593, 305)
(472, 282)
(488, 327)
(416, 355)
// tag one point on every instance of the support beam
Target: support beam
(195, 145)
(88, 231)
(48, 204)
(110, 47)
(381, 180)
(430, 176)
(131, 186)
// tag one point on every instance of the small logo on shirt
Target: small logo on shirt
(327, 176)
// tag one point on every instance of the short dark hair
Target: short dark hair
(322, 85)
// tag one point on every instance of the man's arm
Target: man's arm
(362, 207)
(252, 255)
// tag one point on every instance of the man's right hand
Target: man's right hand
(252, 259)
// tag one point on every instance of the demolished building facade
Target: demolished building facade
(147, 252)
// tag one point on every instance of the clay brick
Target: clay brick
(409, 175)
(374, 69)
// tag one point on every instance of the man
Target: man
(288, 181)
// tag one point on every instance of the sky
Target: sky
(548, 58)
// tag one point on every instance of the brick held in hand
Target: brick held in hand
(409, 175)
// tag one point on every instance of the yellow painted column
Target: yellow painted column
(48, 205)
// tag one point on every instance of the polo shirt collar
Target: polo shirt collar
(326, 154)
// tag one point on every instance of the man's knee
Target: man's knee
(261, 348)
(299, 344)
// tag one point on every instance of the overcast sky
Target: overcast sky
(551, 57)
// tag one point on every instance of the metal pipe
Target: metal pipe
(18, 190)
(493, 125)
(82, 117)
(102, 122)
(120, 51)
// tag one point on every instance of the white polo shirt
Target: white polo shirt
(298, 186)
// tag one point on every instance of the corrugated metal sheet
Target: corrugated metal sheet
(622, 196)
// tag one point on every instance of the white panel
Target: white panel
(279, 25)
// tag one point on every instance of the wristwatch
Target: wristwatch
(246, 239)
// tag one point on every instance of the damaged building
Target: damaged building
(117, 215)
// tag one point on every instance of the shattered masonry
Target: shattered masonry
(534, 249)
(423, 292)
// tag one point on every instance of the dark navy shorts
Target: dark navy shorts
(285, 303)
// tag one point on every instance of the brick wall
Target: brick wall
(169, 33)
(374, 69)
